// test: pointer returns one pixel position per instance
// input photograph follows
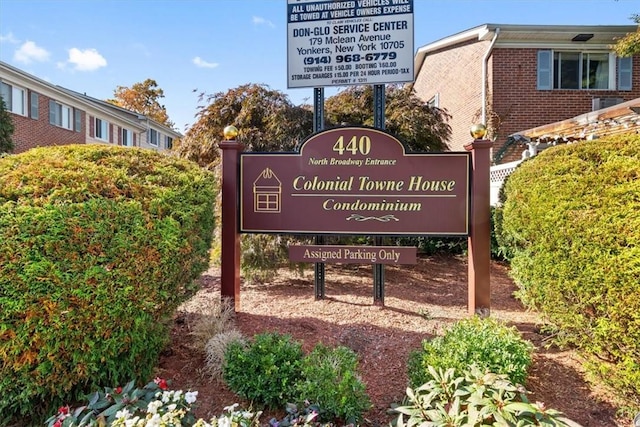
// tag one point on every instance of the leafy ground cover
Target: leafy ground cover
(421, 301)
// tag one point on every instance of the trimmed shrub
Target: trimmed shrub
(265, 370)
(98, 246)
(486, 343)
(571, 218)
(331, 382)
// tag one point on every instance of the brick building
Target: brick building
(45, 114)
(514, 77)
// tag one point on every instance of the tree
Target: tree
(143, 98)
(629, 45)
(268, 121)
(6, 129)
(420, 127)
(265, 118)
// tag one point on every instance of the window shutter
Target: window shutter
(110, 133)
(92, 127)
(135, 139)
(545, 72)
(77, 118)
(625, 65)
(53, 118)
(34, 108)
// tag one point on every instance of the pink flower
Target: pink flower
(118, 390)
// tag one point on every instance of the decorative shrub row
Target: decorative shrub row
(98, 246)
(571, 224)
(486, 343)
(272, 371)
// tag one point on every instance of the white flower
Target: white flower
(154, 421)
(190, 396)
(153, 407)
(172, 407)
(166, 396)
(132, 422)
(224, 422)
(124, 413)
(231, 408)
(177, 395)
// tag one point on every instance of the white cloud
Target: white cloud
(30, 52)
(257, 20)
(86, 60)
(9, 38)
(204, 64)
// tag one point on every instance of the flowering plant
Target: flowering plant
(152, 405)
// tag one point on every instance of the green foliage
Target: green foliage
(262, 255)
(6, 129)
(265, 370)
(487, 343)
(98, 246)
(102, 407)
(629, 45)
(330, 380)
(472, 398)
(571, 220)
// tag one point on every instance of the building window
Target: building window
(169, 143)
(154, 137)
(576, 70)
(102, 129)
(15, 98)
(60, 115)
(127, 138)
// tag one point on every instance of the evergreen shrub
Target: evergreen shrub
(571, 221)
(330, 381)
(487, 343)
(98, 246)
(265, 370)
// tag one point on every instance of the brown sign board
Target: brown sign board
(353, 254)
(355, 181)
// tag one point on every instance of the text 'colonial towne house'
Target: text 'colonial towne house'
(515, 77)
(45, 114)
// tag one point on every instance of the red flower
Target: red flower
(162, 383)
(63, 410)
(58, 423)
(118, 390)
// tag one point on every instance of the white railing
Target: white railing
(497, 175)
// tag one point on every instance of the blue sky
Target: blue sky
(211, 46)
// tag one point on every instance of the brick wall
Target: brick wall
(30, 133)
(455, 74)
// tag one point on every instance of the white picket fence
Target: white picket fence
(497, 175)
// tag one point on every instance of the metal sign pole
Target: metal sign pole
(318, 125)
(378, 123)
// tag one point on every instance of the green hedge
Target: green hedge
(98, 246)
(571, 221)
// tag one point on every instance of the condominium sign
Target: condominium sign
(355, 180)
(353, 42)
